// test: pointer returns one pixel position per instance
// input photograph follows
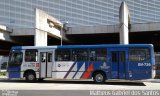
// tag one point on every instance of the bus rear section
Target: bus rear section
(141, 63)
(132, 62)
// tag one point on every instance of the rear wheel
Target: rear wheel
(99, 77)
(30, 77)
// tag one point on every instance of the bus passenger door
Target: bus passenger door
(118, 64)
(46, 64)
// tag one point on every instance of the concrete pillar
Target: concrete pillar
(45, 24)
(40, 38)
(124, 23)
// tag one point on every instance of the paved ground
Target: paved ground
(78, 88)
(78, 85)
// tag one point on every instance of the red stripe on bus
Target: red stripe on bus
(88, 72)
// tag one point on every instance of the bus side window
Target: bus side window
(80, 54)
(31, 55)
(138, 54)
(102, 54)
(92, 55)
(99, 54)
(62, 55)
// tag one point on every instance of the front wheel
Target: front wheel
(99, 77)
(30, 77)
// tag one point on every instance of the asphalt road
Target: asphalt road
(77, 85)
(78, 88)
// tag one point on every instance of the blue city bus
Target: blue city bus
(97, 62)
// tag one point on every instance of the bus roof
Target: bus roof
(82, 46)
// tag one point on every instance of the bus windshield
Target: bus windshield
(15, 59)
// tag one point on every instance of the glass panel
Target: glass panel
(31, 55)
(62, 55)
(49, 57)
(80, 55)
(139, 54)
(98, 55)
(43, 57)
(122, 56)
(114, 57)
(15, 59)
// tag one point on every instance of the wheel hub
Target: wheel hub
(99, 78)
(30, 77)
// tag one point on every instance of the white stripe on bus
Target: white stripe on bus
(79, 74)
(73, 71)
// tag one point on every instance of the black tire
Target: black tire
(30, 77)
(99, 77)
